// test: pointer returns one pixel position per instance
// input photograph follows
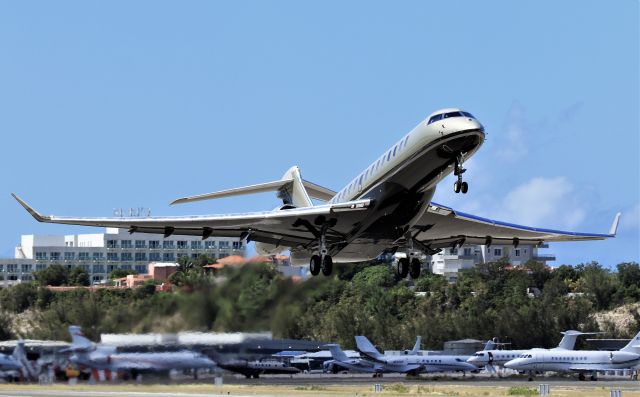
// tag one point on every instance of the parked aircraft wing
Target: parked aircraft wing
(441, 226)
(290, 228)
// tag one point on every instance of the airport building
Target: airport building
(451, 260)
(101, 253)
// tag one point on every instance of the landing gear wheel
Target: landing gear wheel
(327, 265)
(457, 186)
(593, 377)
(464, 187)
(402, 267)
(314, 265)
(414, 270)
(581, 376)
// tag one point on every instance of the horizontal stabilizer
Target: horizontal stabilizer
(238, 191)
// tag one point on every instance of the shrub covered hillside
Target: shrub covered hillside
(368, 299)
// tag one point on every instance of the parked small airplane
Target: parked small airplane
(413, 363)
(17, 363)
(578, 361)
(102, 357)
(492, 357)
(387, 208)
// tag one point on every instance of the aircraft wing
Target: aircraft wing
(441, 226)
(290, 228)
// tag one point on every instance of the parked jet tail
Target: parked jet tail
(367, 348)
(79, 342)
(490, 345)
(633, 346)
(416, 347)
(337, 353)
(568, 341)
(20, 355)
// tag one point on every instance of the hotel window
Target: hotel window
(126, 256)
(12, 268)
(1, 268)
(196, 245)
(111, 268)
(140, 244)
(125, 244)
(154, 244)
(41, 255)
(98, 268)
(154, 256)
(142, 269)
(40, 266)
(125, 267)
(112, 256)
(182, 245)
(168, 257)
(167, 244)
(83, 256)
(98, 256)
(453, 251)
(237, 245)
(55, 256)
(517, 252)
(84, 267)
(141, 256)
(69, 256)
(209, 244)
(112, 243)
(223, 244)
(182, 255)
(25, 268)
(497, 252)
(195, 256)
(467, 251)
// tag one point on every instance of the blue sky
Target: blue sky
(127, 104)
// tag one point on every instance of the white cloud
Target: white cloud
(543, 202)
(630, 218)
(514, 146)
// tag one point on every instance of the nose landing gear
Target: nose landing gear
(459, 185)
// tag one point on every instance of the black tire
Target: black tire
(581, 376)
(464, 187)
(327, 265)
(415, 268)
(314, 265)
(402, 268)
(456, 187)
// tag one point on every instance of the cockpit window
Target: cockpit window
(467, 114)
(452, 114)
(435, 118)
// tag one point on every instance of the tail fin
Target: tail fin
(294, 193)
(489, 345)
(568, 341)
(633, 346)
(416, 347)
(79, 342)
(20, 355)
(366, 347)
(337, 353)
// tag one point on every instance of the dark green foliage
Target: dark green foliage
(487, 301)
(53, 275)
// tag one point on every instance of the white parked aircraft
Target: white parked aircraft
(492, 357)
(387, 208)
(102, 357)
(354, 363)
(578, 361)
(413, 363)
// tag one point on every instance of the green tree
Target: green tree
(54, 275)
(119, 273)
(79, 277)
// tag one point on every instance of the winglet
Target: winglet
(39, 217)
(614, 225)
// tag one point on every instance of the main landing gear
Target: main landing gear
(408, 266)
(459, 185)
(322, 262)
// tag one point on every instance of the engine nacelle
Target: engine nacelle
(267, 249)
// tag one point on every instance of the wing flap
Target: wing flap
(441, 226)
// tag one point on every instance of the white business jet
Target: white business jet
(387, 208)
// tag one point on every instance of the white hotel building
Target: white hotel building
(451, 260)
(101, 253)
